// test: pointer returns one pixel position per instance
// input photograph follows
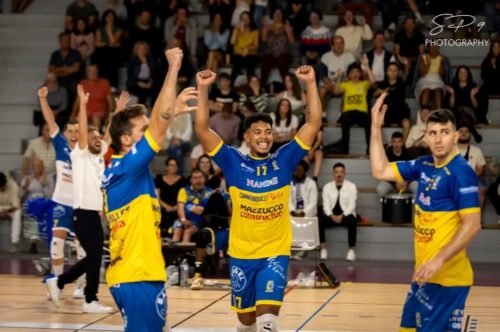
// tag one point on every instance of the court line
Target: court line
(100, 319)
(317, 311)
(202, 309)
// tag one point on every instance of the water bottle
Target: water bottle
(184, 275)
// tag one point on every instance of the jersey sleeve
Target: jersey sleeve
(291, 153)
(227, 158)
(182, 196)
(141, 155)
(406, 170)
(465, 191)
(59, 142)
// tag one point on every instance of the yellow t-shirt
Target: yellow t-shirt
(355, 95)
(246, 39)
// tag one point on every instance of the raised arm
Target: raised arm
(381, 168)
(82, 118)
(48, 115)
(310, 129)
(121, 103)
(208, 138)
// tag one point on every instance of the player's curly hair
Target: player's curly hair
(257, 117)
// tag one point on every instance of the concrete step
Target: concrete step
(32, 20)
(10, 161)
(18, 131)
(29, 34)
(25, 60)
(49, 7)
(11, 146)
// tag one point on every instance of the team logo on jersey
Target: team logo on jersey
(247, 168)
(426, 200)
(58, 211)
(275, 165)
(262, 184)
(238, 279)
(161, 304)
(270, 286)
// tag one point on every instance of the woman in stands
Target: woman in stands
(285, 124)
(293, 93)
(245, 41)
(215, 39)
(213, 180)
(254, 93)
(140, 72)
(490, 73)
(108, 45)
(83, 40)
(353, 33)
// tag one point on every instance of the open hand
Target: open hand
(122, 101)
(181, 103)
(84, 96)
(378, 111)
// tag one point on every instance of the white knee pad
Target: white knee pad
(267, 323)
(246, 328)
(57, 248)
(80, 252)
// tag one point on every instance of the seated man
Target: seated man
(395, 152)
(494, 188)
(339, 208)
(191, 203)
(40, 148)
(214, 237)
(415, 143)
(10, 208)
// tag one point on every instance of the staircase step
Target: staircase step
(32, 20)
(18, 131)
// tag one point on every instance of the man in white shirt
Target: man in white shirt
(331, 64)
(379, 58)
(88, 169)
(40, 148)
(10, 208)
(474, 157)
(339, 208)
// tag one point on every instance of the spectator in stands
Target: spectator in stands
(398, 112)
(355, 105)
(314, 40)
(462, 99)
(241, 7)
(196, 153)
(66, 64)
(285, 124)
(38, 183)
(433, 73)
(10, 208)
(276, 39)
(223, 94)
(494, 188)
(303, 193)
(118, 7)
(474, 157)
(18, 6)
(179, 136)
(145, 31)
(40, 148)
(221, 7)
(293, 92)
(379, 57)
(58, 101)
(365, 7)
(395, 152)
(390, 10)
(212, 176)
(191, 202)
(415, 143)
(101, 100)
(226, 124)
(186, 73)
(339, 208)
(83, 40)
(353, 32)
(140, 72)
(333, 63)
(298, 18)
(254, 93)
(491, 8)
(181, 27)
(167, 189)
(490, 73)
(247, 109)
(215, 40)
(82, 9)
(409, 45)
(245, 41)
(259, 9)
(108, 47)
(315, 154)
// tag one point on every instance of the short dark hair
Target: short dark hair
(71, 121)
(339, 165)
(304, 164)
(169, 159)
(3, 179)
(64, 33)
(121, 125)
(197, 170)
(257, 117)
(353, 66)
(442, 116)
(224, 76)
(397, 134)
(379, 32)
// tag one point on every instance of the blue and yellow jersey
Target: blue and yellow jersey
(134, 216)
(191, 198)
(259, 191)
(445, 192)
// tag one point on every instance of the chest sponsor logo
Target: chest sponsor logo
(469, 190)
(262, 184)
(247, 168)
(261, 213)
(425, 200)
(262, 198)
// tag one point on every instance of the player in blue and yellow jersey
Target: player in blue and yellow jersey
(259, 185)
(447, 217)
(136, 275)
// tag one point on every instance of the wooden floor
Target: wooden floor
(352, 307)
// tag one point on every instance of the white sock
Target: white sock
(246, 328)
(267, 323)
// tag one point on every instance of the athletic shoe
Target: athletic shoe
(78, 292)
(351, 255)
(54, 290)
(198, 282)
(323, 255)
(95, 307)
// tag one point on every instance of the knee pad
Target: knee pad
(57, 248)
(80, 252)
(246, 328)
(267, 323)
(204, 238)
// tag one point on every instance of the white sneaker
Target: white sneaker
(351, 255)
(54, 290)
(78, 292)
(323, 255)
(95, 307)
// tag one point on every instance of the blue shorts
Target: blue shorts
(63, 217)
(257, 281)
(220, 240)
(433, 307)
(143, 305)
